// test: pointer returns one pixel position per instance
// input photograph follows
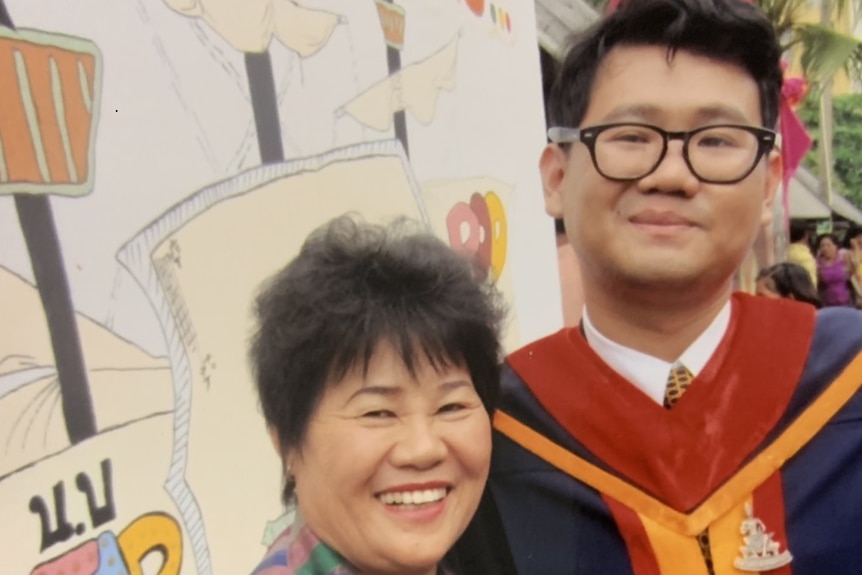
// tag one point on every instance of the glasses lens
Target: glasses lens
(722, 154)
(628, 152)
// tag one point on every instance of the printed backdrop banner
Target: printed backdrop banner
(158, 160)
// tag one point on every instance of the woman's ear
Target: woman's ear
(286, 456)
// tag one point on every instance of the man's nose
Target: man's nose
(673, 174)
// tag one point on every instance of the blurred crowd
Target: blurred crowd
(824, 270)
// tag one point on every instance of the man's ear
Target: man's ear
(774, 179)
(552, 165)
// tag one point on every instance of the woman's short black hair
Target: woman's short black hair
(352, 286)
(831, 236)
(791, 281)
(733, 31)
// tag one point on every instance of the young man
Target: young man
(682, 429)
(799, 250)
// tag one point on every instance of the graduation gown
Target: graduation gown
(764, 451)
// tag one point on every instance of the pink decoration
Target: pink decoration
(795, 139)
(793, 90)
(83, 560)
(795, 144)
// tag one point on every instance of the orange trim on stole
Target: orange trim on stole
(726, 497)
(725, 540)
(630, 524)
(676, 554)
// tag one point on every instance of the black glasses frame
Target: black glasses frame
(766, 141)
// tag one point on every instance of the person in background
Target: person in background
(834, 270)
(799, 250)
(853, 240)
(787, 280)
(681, 429)
(377, 362)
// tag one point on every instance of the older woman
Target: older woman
(834, 271)
(377, 364)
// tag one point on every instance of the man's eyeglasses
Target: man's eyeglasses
(720, 154)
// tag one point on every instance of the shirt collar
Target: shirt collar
(648, 373)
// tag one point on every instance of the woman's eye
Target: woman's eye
(378, 414)
(451, 408)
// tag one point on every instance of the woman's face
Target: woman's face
(392, 468)
(828, 249)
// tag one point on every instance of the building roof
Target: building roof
(556, 20)
(805, 200)
(842, 207)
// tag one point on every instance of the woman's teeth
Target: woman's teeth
(413, 497)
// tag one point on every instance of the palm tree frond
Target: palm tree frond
(784, 15)
(826, 51)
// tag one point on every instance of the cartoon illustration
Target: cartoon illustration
(158, 160)
(123, 553)
(53, 84)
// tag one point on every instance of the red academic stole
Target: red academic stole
(680, 471)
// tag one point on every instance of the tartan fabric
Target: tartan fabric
(303, 553)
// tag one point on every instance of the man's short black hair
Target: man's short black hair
(732, 31)
(799, 230)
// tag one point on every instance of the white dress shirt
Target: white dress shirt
(648, 373)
